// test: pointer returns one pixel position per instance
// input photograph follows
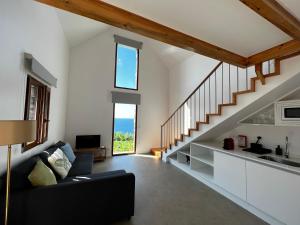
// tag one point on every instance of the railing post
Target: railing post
(259, 73)
(161, 137)
(186, 114)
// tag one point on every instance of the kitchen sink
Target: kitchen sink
(279, 160)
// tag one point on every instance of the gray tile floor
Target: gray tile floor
(167, 196)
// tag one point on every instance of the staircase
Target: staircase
(220, 89)
(157, 152)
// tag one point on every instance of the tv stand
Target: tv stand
(99, 153)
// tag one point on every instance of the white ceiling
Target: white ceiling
(78, 28)
(169, 54)
(226, 23)
(293, 6)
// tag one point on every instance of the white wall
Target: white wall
(271, 136)
(186, 76)
(27, 26)
(91, 81)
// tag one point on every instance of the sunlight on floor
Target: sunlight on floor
(146, 156)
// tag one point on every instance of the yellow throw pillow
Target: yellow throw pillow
(41, 175)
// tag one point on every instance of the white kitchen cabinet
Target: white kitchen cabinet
(274, 191)
(230, 174)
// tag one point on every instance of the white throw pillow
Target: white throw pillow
(60, 163)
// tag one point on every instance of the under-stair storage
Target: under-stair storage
(183, 157)
(243, 179)
(198, 160)
(202, 169)
(202, 161)
(203, 155)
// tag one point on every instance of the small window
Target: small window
(37, 108)
(126, 67)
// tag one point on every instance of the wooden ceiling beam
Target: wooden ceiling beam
(283, 51)
(272, 11)
(117, 17)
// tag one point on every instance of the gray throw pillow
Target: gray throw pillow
(67, 149)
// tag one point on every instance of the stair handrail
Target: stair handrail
(187, 117)
(196, 89)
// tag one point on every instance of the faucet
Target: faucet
(286, 153)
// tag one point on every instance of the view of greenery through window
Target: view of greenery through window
(125, 114)
(124, 128)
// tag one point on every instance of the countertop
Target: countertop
(238, 152)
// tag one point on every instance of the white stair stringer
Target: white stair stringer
(275, 88)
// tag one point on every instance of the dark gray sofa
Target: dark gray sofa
(81, 198)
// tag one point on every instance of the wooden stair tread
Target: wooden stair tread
(227, 104)
(243, 92)
(232, 103)
(157, 151)
(214, 114)
(203, 122)
(193, 129)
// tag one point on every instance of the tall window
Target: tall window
(124, 129)
(37, 108)
(126, 67)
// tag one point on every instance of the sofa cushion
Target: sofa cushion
(41, 175)
(44, 155)
(92, 176)
(57, 145)
(67, 149)
(82, 165)
(60, 163)
(19, 174)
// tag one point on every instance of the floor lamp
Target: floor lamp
(14, 132)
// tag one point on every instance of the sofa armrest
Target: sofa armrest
(103, 199)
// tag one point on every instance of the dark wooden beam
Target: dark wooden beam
(112, 15)
(289, 56)
(277, 15)
(285, 50)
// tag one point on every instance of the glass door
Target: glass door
(124, 129)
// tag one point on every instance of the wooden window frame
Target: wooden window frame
(137, 72)
(42, 112)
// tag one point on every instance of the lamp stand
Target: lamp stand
(7, 183)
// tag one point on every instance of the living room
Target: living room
(192, 84)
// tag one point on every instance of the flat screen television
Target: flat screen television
(88, 141)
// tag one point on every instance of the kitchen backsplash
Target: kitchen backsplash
(271, 136)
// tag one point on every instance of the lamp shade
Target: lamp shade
(17, 131)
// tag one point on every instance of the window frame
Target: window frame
(138, 68)
(42, 111)
(113, 133)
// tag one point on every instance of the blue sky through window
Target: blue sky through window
(126, 74)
